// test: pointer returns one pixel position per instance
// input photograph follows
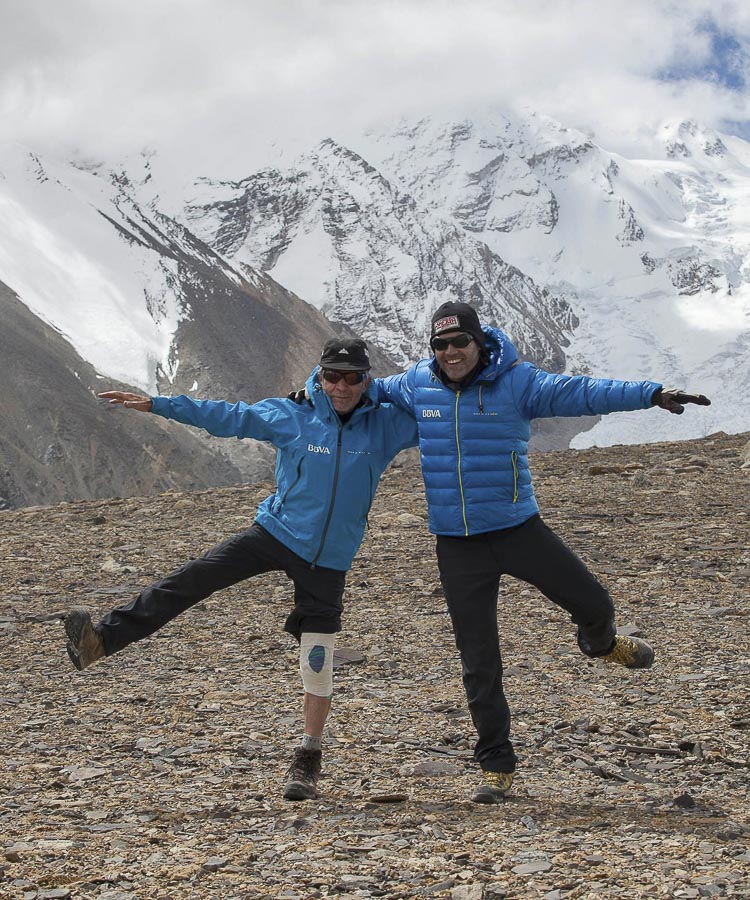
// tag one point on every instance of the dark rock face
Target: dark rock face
(58, 442)
(691, 276)
(158, 772)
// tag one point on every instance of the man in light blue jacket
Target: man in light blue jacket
(473, 402)
(332, 451)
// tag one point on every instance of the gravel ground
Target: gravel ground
(158, 773)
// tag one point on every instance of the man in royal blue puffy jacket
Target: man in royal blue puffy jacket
(332, 451)
(473, 403)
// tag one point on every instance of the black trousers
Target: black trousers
(318, 591)
(470, 571)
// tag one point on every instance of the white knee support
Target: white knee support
(316, 662)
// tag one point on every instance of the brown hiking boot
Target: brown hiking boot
(303, 775)
(494, 787)
(631, 652)
(86, 644)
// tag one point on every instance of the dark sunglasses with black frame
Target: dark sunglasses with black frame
(458, 340)
(351, 378)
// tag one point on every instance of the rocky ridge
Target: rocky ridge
(158, 773)
(356, 245)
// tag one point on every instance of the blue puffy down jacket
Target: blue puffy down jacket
(326, 472)
(474, 441)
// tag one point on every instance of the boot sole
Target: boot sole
(488, 798)
(75, 622)
(639, 664)
(75, 656)
(296, 790)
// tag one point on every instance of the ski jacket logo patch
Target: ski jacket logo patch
(431, 414)
(315, 448)
(446, 323)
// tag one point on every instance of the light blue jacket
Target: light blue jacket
(474, 441)
(326, 472)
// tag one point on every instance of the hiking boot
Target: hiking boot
(494, 787)
(86, 644)
(303, 775)
(631, 652)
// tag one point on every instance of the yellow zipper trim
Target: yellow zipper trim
(514, 459)
(460, 479)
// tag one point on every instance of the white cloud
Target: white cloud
(212, 82)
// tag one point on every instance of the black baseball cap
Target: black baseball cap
(345, 355)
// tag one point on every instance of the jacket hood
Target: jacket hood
(502, 351)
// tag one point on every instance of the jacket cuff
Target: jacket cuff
(160, 406)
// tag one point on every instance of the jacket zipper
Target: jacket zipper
(514, 461)
(282, 500)
(460, 477)
(367, 517)
(333, 498)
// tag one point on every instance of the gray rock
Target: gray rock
(468, 892)
(533, 868)
(431, 767)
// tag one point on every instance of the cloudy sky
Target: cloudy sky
(215, 83)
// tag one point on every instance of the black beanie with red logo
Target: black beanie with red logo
(457, 317)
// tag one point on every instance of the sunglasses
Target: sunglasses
(350, 378)
(460, 341)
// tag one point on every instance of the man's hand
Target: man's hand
(130, 401)
(674, 400)
(298, 396)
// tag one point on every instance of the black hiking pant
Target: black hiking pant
(318, 591)
(470, 571)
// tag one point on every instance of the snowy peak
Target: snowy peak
(136, 293)
(542, 196)
(354, 242)
(618, 266)
(688, 140)
(93, 282)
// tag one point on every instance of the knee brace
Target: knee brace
(316, 663)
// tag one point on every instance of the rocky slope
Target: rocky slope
(59, 442)
(158, 772)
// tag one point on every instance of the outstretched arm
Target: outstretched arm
(541, 394)
(268, 420)
(128, 400)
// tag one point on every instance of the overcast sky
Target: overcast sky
(213, 83)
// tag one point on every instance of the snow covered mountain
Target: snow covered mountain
(592, 262)
(139, 296)
(366, 253)
(103, 292)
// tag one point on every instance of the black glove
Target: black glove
(297, 396)
(673, 400)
